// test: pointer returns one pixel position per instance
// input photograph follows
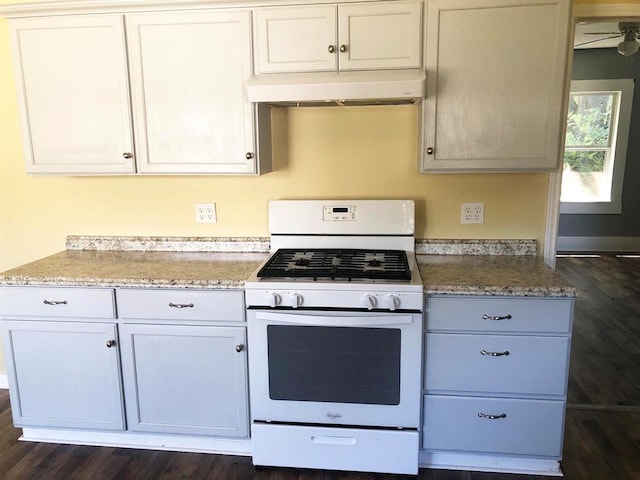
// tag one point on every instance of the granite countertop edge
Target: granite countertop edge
(90, 262)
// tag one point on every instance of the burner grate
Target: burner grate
(337, 263)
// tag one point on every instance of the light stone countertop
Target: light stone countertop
(104, 268)
(92, 263)
(510, 275)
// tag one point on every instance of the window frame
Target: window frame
(618, 141)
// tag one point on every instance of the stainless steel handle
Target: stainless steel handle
(239, 348)
(343, 48)
(492, 417)
(181, 305)
(331, 49)
(430, 151)
(127, 155)
(55, 302)
(111, 343)
(249, 155)
(496, 317)
(495, 354)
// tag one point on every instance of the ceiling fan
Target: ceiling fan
(630, 43)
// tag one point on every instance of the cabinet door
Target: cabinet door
(379, 35)
(495, 89)
(296, 39)
(71, 78)
(64, 374)
(188, 72)
(185, 379)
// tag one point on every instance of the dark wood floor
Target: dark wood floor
(602, 435)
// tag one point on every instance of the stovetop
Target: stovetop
(337, 264)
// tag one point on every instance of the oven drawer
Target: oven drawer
(479, 314)
(222, 305)
(496, 363)
(57, 302)
(522, 427)
(368, 450)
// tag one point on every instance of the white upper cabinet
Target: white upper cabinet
(71, 77)
(495, 84)
(379, 35)
(187, 79)
(176, 85)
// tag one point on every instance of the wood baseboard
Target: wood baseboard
(598, 244)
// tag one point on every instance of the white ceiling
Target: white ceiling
(584, 30)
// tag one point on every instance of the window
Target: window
(596, 146)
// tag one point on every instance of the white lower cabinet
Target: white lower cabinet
(495, 382)
(60, 347)
(185, 379)
(174, 361)
(64, 374)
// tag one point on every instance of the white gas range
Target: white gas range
(334, 338)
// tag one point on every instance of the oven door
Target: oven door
(335, 367)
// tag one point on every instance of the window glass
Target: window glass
(595, 146)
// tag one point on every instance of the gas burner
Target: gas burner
(374, 262)
(338, 263)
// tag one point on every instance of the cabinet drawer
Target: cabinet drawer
(524, 427)
(57, 302)
(544, 315)
(480, 363)
(181, 304)
(342, 448)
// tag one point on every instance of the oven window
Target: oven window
(334, 364)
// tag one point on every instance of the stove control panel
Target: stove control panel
(334, 299)
(335, 213)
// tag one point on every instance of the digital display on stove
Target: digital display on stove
(340, 210)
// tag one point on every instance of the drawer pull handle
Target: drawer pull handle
(492, 417)
(495, 354)
(496, 317)
(55, 302)
(181, 305)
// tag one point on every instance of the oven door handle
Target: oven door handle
(341, 321)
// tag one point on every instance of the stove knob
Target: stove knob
(393, 302)
(296, 300)
(369, 302)
(274, 300)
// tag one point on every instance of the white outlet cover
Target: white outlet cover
(206, 213)
(472, 213)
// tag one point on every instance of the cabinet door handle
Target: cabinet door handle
(492, 417)
(343, 48)
(249, 155)
(55, 302)
(111, 343)
(331, 48)
(496, 317)
(430, 151)
(495, 354)
(181, 305)
(127, 155)
(239, 348)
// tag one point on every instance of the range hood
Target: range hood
(382, 87)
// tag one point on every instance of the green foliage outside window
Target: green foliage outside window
(588, 125)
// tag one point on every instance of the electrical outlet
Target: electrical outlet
(206, 213)
(472, 213)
